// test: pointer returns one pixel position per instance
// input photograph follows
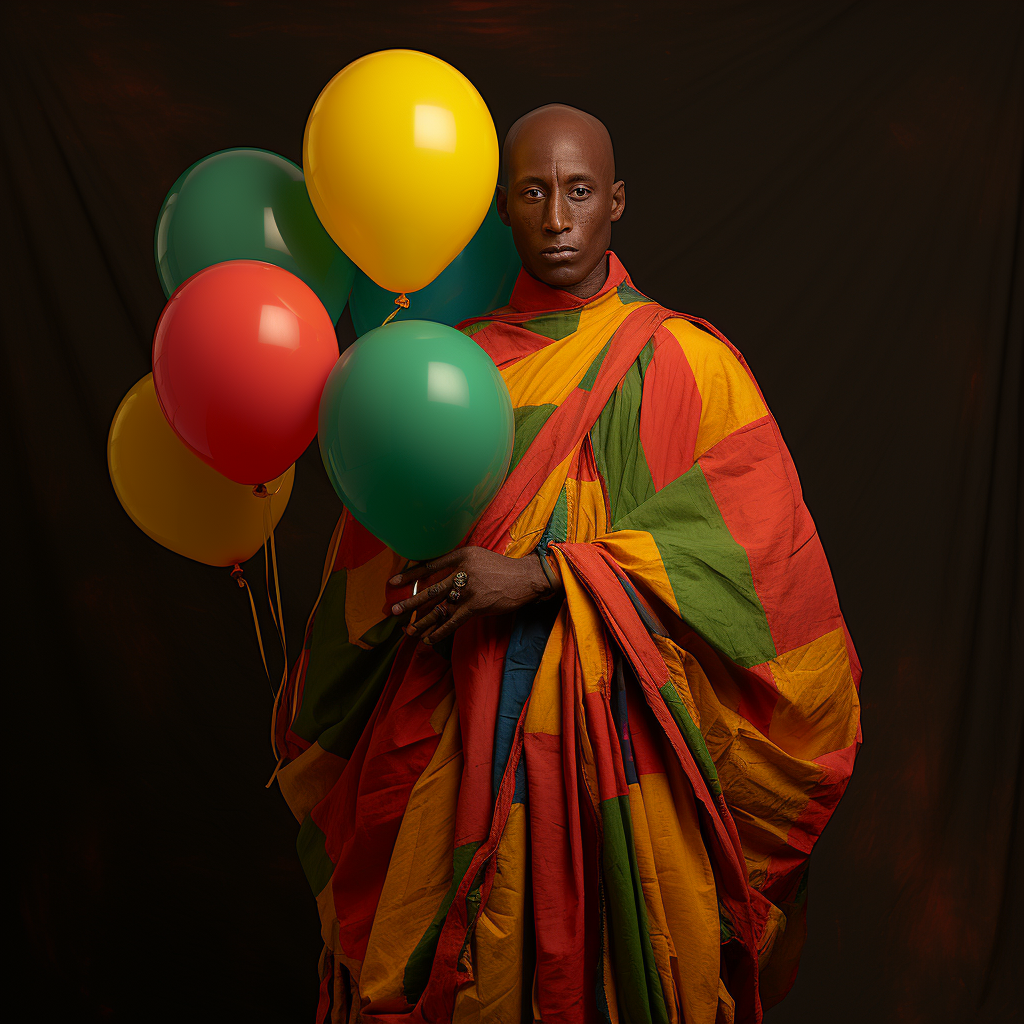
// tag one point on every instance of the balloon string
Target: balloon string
(271, 559)
(332, 554)
(402, 302)
(236, 574)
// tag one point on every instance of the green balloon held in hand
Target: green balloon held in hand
(248, 204)
(416, 431)
(477, 281)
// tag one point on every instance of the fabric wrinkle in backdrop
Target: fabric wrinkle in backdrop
(835, 185)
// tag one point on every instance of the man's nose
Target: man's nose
(557, 219)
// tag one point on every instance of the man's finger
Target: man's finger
(431, 595)
(452, 623)
(433, 617)
(418, 570)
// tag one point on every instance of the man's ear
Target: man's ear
(501, 202)
(618, 200)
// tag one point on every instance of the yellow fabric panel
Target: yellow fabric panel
(729, 398)
(305, 781)
(531, 522)
(552, 373)
(545, 711)
(676, 659)
(726, 1005)
(638, 555)
(419, 874)
(364, 592)
(588, 627)
(818, 708)
(495, 994)
(657, 924)
(587, 517)
(688, 891)
(765, 787)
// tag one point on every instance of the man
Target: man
(577, 776)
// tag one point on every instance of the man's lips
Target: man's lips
(557, 253)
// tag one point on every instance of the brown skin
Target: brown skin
(560, 194)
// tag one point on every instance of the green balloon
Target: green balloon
(416, 431)
(478, 280)
(248, 204)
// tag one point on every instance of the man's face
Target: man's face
(560, 200)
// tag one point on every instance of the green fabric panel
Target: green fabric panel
(361, 676)
(558, 527)
(692, 736)
(628, 295)
(555, 326)
(587, 384)
(311, 844)
(471, 329)
(417, 969)
(646, 355)
(530, 419)
(638, 984)
(725, 928)
(708, 570)
(617, 448)
(342, 681)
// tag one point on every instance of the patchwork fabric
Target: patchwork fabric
(599, 808)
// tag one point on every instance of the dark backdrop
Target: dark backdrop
(836, 185)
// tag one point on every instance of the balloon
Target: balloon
(175, 497)
(416, 432)
(248, 204)
(478, 280)
(401, 159)
(240, 356)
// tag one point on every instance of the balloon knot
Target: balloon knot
(236, 574)
(402, 300)
(260, 490)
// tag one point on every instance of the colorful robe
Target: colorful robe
(601, 807)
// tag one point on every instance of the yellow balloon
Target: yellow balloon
(400, 158)
(177, 498)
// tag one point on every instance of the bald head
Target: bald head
(560, 196)
(558, 120)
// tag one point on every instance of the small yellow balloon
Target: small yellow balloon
(400, 158)
(174, 496)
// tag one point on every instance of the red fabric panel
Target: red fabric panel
(478, 659)
(670, 412)
(556, 869)
(611, 779)
(754, 484)
(357, 546)
(646, 747)
(362, 813)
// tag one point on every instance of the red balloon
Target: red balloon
(241, 353)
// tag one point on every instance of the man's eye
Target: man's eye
(532, 193)
(580, 192)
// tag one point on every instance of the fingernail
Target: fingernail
(395, 580)
(396, 609)
(427, 641)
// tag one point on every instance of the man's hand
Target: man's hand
(493, 584)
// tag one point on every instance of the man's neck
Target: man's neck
(592, 283)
